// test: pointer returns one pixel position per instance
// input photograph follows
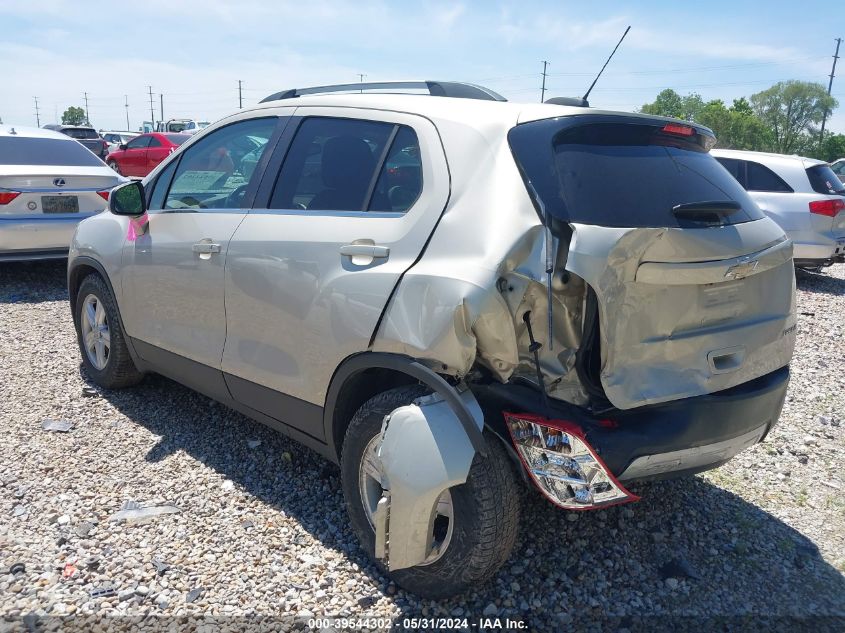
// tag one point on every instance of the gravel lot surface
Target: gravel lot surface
(261, 528)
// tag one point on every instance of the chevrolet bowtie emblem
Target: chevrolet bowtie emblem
(742, 269)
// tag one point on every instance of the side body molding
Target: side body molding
(423, 452)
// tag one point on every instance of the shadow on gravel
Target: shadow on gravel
(819, 283)
(33, 282)
(689, 548)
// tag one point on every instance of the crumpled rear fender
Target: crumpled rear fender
(424, 451)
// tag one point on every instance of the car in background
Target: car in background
(143, 153)
(192, 127)
(48, 184)
(86, 135)
(803, 195)
(838, 167)
(187, 126)
(116, 139)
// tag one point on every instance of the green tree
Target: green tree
(73, 116)
(742, 106)
(735, 127)
(791, 110)
(832, 148)
(667, 103)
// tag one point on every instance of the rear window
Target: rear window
(45, 151)
(176, 139)
(81, 133)
(605, 171)
(823, 180)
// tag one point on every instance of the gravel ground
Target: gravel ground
(261, 527)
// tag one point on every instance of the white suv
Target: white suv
(803, 195)
(455, 298)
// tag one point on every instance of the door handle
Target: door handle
(206, 248)
(365, 250)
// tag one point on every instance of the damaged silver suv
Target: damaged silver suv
(455, 298)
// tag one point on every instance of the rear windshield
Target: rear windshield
(81, 133)
(45, 151)
(592, 170)
(823, 180)
(177, 139)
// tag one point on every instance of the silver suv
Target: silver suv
(455, 298)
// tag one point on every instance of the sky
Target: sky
(194, 52)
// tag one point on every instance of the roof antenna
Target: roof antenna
(590, 89)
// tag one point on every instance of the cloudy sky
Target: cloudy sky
(194, 52)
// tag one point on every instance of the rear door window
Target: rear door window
(615, 172)
(761, 178)
(823, 180)
(333, 164)
(735, 167)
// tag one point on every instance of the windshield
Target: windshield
(615, 172)
(45, 151)
(823, 180)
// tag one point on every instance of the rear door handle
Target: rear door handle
(206, 248)
(365, 250)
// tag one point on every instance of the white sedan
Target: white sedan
(48, 184)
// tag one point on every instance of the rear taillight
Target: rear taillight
(827, 207)
(104, 194)
(680, 130)
(562, 464)
(7, 196)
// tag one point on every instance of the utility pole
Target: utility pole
(162, 107)
(152, 111)
(87, 120)
(361, 80)
(240, 95)
(126, 98)
(37, 116)
(829, 87)
(543, 89)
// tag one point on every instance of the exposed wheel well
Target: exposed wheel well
(75, 280)
(357, 389)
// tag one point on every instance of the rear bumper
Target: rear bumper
(663, 440)
(20, 236)
(820, 250)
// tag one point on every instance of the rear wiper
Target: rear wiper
(708, 212)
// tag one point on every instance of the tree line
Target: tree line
(784, 119)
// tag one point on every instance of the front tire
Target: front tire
(484, 511)
(105, 355)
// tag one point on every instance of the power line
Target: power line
(87, 120)
(240, 95)
(162, 106)
(37, 116)
(126, 99)
(543, 89)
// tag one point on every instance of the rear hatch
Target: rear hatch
(693, 286)
(828, 212)
(88, 137)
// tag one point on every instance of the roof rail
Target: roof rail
(455, 89)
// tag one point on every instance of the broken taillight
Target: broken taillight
(563, 465)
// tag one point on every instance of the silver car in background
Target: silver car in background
(116, 139)
(803, 195)
(48, 184)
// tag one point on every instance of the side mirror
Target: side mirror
(128, 199)
(122, 146)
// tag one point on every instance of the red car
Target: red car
(143, 153)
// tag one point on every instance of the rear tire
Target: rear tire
(115, 167)
(485, 508)
(105, 354)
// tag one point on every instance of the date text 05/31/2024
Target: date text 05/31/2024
(416, 624)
